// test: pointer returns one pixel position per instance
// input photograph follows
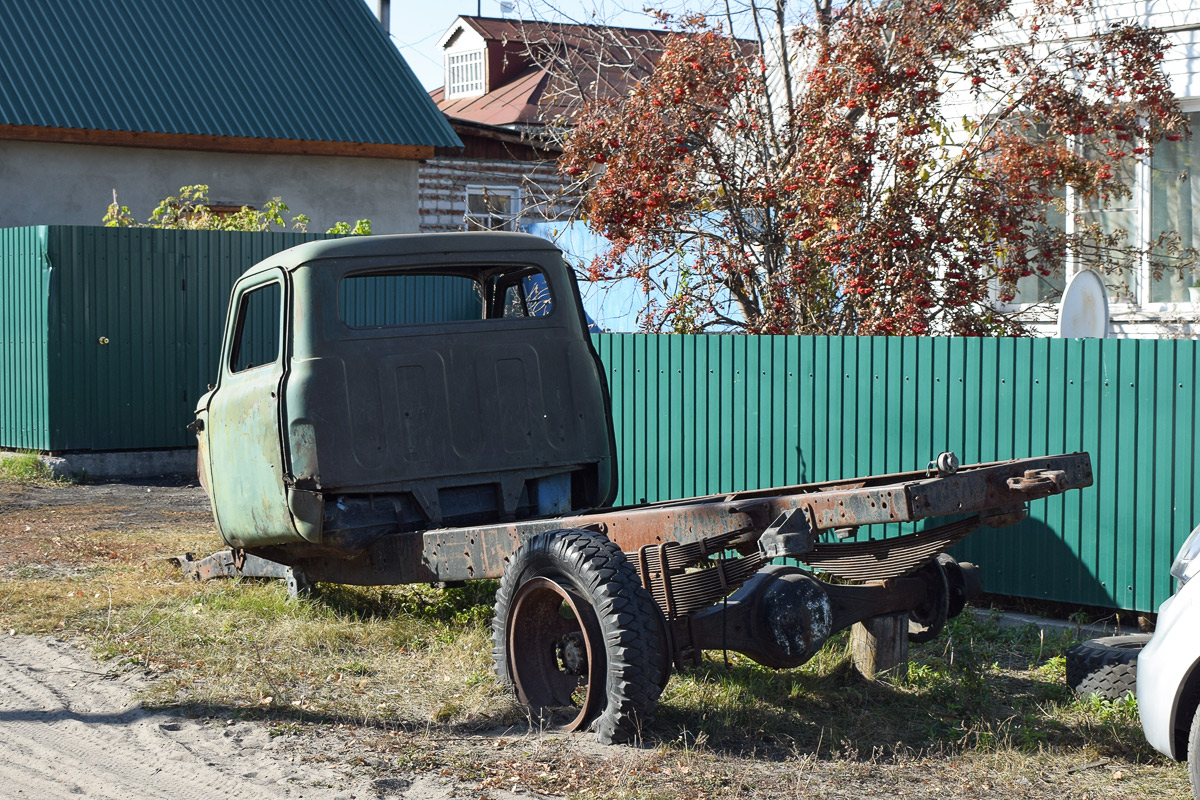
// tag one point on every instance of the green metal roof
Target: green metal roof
(308, 70)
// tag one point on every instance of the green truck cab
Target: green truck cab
(385, 384)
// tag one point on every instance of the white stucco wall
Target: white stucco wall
(69, 184)
(1180, 22)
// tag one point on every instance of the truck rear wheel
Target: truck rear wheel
(577, 636)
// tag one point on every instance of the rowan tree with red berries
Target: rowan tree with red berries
(895, 173)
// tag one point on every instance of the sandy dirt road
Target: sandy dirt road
(71, 726)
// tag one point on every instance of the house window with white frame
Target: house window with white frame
(491, 208)
(1165, 198)
(1174, 195)
(464, 74)
(1121, 218)
(1038, 288)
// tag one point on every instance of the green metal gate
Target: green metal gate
(110, 335)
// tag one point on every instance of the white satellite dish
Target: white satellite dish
(1083, 312)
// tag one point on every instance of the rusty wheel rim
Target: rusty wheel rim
(555, 654)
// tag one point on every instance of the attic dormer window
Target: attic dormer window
(464, 74)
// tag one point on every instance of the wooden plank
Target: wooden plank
(879, 645)
(219, 144)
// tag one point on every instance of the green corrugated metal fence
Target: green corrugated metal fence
(108, 336)
(694, 414)
(159, 298)
(706, 414)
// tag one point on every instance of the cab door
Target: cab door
(244, 446)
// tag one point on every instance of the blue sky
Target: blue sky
(418, 24)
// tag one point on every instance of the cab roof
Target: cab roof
(403, 245)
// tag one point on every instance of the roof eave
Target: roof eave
(219, 144)
(461, 22)
(524, 138)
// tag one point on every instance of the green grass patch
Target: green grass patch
(979, 688)
(24, 468)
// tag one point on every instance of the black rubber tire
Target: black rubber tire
(1105, 667)
(628, 617)
(1193, 754)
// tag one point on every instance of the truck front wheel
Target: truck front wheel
(577, 636)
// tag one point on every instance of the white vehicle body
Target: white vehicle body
(1168, 677)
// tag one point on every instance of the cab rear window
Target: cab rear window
(412, 298)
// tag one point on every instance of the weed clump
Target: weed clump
(24, 468)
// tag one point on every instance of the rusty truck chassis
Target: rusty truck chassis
(710, 564)
(343, 443)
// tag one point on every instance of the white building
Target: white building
(1166, 195)
(312, 104)
(1141, 304)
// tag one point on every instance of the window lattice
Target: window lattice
(464, 74)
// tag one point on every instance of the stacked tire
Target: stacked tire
(1105, 667)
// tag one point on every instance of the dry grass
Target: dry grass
(397, 682)
(345, 656)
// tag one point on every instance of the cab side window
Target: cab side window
(257, 339)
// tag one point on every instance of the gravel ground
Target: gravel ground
(143, 503)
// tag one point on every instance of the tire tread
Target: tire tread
(626, 612)
(1105, 667)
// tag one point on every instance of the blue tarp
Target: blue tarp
(611, 305)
